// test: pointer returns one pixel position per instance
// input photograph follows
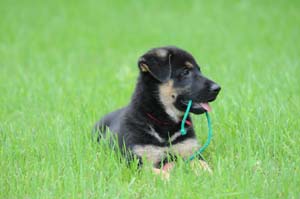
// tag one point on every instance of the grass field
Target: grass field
(65, 64)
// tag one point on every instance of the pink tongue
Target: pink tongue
(206, 106)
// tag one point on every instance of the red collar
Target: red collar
(187, 122)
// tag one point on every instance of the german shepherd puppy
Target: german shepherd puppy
(149, 126)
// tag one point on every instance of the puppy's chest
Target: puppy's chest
(163, 136)
(175, 144)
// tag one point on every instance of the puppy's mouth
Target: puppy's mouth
(198, 107)
(202, 105)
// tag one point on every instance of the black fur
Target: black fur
(159, 66)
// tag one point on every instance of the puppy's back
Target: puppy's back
(111, 121)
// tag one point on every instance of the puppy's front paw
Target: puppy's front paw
(200, 165)
(165, 175)
(168, 166)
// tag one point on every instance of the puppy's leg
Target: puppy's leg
(165, 170)
(200, 165)
(165, 175)
(168, 166)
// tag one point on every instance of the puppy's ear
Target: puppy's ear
(157, 62)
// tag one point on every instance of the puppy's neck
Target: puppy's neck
(173, 113)
(167, 97)
(157, 99)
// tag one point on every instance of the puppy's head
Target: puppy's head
(179, 80)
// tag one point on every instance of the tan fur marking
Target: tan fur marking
(199, 165)
(185, 148)
(168, 95)
(155, 154)
(161, 53)
(165, 175)
(189, 64)
(166, 92)
(144, 68)
(152, 153)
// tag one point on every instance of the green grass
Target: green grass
(65, 64)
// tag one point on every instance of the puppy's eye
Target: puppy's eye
(186, 72)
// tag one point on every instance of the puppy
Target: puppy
(149, 126)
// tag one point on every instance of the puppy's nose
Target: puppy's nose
(215, 88)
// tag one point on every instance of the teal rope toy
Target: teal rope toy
(183, 131)
(209, 137)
